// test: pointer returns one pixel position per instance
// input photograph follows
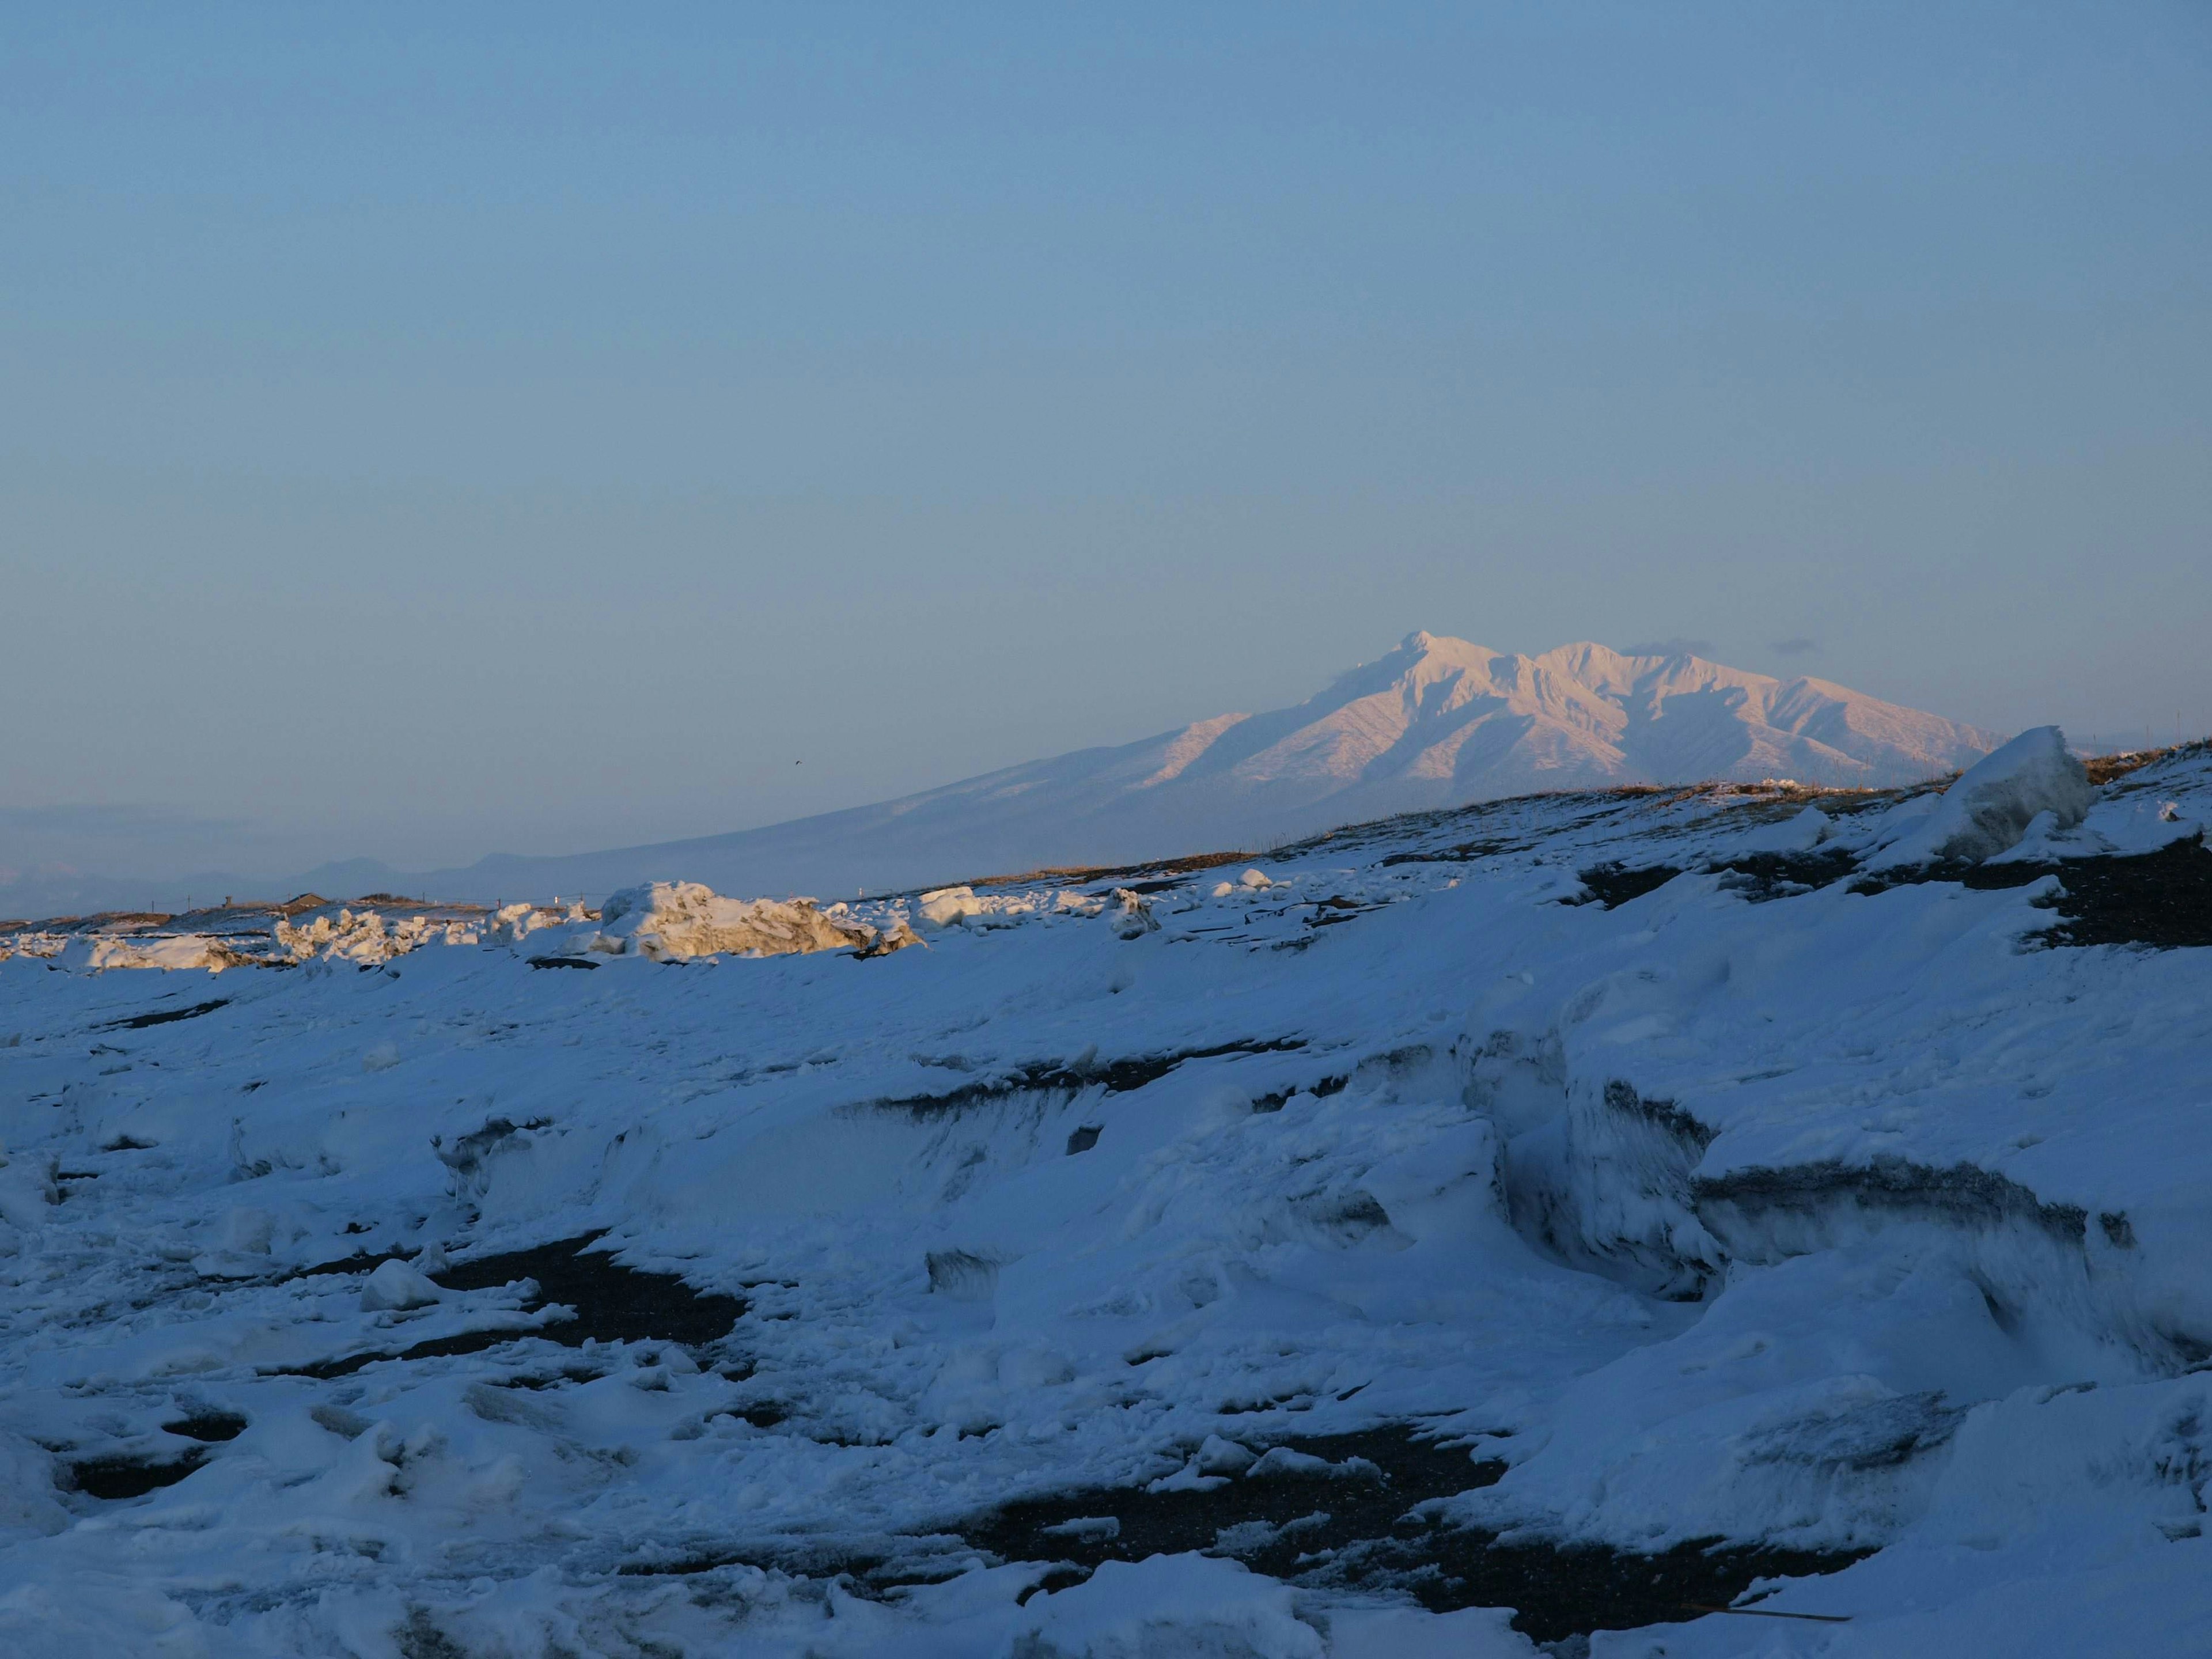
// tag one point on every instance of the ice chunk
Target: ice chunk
(676, 920)
(952, 907)
(97, 952)
(896, 937)
(1990, 806)
(513, 923)
(1800, 833)
(1281, 1460)
(395, 1285)
(947, 905)
(1254, 879)
(1133, 917)
(1220, 1456)
(1086, 1527)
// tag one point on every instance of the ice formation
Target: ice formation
(1994, 802)
(1508, 1231)
(677, 920)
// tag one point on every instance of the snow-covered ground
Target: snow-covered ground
(1525, 1224)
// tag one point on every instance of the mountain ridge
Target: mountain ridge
(1438, 721)
(1435, 722)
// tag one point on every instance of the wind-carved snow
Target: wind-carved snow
(1672, 1181)
(1437, 722)
(2032, 782)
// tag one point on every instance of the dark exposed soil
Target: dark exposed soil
(1116, 1076)
(131, 1477)
(1612, 886)
(1080, 875)
(1400, 1472)
(352, 1264)
(1355, 1531)
(1465, 853)
(612, 1303)
(164, 1017)
(439, 1347)
(1559, 1592)
(2162, 899)
(208, 1426)
(2104, 769)
(1760, 876)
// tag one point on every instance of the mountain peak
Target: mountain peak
(1437, 722)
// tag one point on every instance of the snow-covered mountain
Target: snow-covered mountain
(1437, 722)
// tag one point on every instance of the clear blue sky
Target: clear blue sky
(437, 429)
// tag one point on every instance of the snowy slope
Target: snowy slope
(1436, 722)
(1709, 1214)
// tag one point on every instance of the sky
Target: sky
(436, 430)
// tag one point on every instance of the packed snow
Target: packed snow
(1606, 1224)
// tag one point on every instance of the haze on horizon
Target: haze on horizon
(438, 433)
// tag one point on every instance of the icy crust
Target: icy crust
(679, 920)
(1744, 1206)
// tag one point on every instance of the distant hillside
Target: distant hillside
(1436, 722)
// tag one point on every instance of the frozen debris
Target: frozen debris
(1132, 917)
(364, 936)
(511, 924)
(959, 907)
(946, 906)
(1800, 833)
(896, 936)
(394, 1287)
(99, 952)
(1255, 879)
(1279, 1462)
(1220, 1456)
(1990, 807)
(677, 920)
(1086, 1527)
